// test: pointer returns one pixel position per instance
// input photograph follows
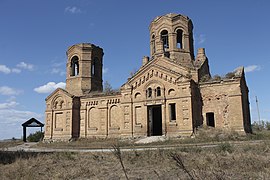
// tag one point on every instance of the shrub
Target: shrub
(216, 78)
(225, 147)
(267, 125)
(230, 75)
(35, 137)
(205, 78)
(258, 126)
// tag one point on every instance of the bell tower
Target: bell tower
(84, 69)
(171, 36)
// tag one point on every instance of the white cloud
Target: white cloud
(4, 69)
(11, 122)
(252, 68)
(12, 115)
(58, 68)
(8, 105)
(50, 87)
(58, 64)
(201, 39)
(26, 66)
(20, 66)
(58, 71)
(5, 90)
(72, 10)
(15, 70)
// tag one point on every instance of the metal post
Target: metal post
(24, 133)
(257, 103)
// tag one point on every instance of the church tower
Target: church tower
(171, 36)
(84, 69)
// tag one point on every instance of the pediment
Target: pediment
(159, 72)
(57, 92)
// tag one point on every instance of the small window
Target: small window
(153, 44)
(61, 104)
(75, 66)
(210, 119)
(137, 95)
(158, 91)
(165, 40)
(171, 92)
(149, 92)
(179, 39)
(172, 112)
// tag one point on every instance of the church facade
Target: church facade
(171, 94)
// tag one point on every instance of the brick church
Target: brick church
(171, 94)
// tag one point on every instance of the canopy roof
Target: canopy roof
(32, 123)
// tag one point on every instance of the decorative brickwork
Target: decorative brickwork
(172, 93)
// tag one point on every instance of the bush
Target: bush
(267, 125)
(205, 78)
(225, 147)
(259, 126)
(230, 75)
(35, 137)
(216, 78)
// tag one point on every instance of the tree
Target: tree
(35, 137)
(107, 87)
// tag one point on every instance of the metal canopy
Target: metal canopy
(31, 123)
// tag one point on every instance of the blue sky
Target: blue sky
(35, 34)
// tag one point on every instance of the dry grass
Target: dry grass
(10, 143)
(203, 135)
(226, 161)
(222, 162)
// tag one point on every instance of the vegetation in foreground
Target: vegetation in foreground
(225, 161)
(203, 135)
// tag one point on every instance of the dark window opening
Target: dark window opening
(179, 39)
(172, 112)
(153, 44)
(149, 92)
(210, 119)
(93, 67)
(165, 40)
(74, 66)
(158, 91)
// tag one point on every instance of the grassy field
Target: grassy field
(205, 135)
(225, 161)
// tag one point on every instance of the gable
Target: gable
(33, 123)
(59, 99)
(159, 70)
(58, 91)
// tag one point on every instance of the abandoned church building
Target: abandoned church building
(171, 94)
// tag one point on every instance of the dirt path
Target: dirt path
(30, 147)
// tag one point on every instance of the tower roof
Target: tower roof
(83, 46)
(172, 16)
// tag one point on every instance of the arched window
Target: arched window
(61, 104)
(74, 66)
(149, 92)
(165, 39)
(153, 44)
(179, 39)
(55, 105)
(158, 91)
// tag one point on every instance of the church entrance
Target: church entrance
(154, 120)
